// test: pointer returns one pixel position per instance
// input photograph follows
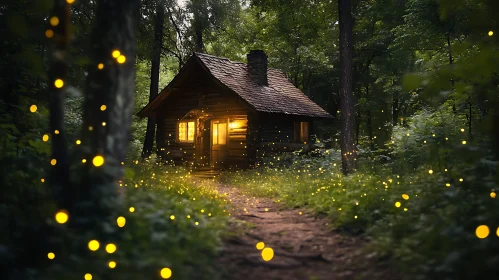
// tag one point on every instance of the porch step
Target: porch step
(206, 174)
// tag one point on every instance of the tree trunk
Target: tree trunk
(153, 89)
(106, 130)
(60, 171)
(346, 96)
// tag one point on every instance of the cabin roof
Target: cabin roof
(280, 96)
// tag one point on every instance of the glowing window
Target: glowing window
(219, 133)
(301, 132)
(186, 131)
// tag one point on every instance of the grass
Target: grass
(425, 220)
(176, 223)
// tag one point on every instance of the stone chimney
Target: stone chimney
(257, 67)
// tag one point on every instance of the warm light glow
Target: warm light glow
(43, 180)
(100, 66)
(56, 131)
(482, 231)
(267, 254)
(88, 276)
(54, 21)
(462, 129)
(51, 256)
(110, 248)
(260, 245)
(112, 264)
(93, 245)
(53, 161)
(165, 273)
(58, 83)
(116, 53)
(103, 123)
(493, 194)
(491, 33)
(70, 1)
(103, 107)
(464, 142)
(405, 196)
(447, 184)
(49, 33)
(98, 161)
(121, 221)
(131, 209)
(78, 142)
(61, 217)
(430, 171)
(172, 217)
(121, 59)
(83, 160)
(45, 138)
(33, 108)
(398, 204)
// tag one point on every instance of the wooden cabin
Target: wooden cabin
(222, 114)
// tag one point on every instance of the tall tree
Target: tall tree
(347, 144)
(153, 90)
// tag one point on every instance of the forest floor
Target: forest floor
(305, 246)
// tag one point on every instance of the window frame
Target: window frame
(177, 131)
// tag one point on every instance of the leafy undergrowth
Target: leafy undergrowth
(434, 214)
(171, 224)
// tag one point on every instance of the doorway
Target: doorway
(219, 150)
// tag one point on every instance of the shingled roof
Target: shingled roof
(280, 96)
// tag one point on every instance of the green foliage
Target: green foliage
(149, 241)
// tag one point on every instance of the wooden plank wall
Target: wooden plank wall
(201, 93)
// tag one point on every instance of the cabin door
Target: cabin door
(219, 150)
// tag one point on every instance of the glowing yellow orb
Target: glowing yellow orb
(491, 33)
(100, 66)
(103, 123)
(131, 209)
(497, 232)
(98, 161)
(51, 256)
(447, 184)
(56, 131)
(482, 231)
(110, 248)
(405, 196)
(172, 217)
(461, 179)
(430, 171)
(43, 180)
(260, 245)
(83, 160)
(267, 254)
(493, 194)
(165, 273)
(93, 245)
(78, 142)
(70, 1)
(54, 21)
(464, 142)
(45, 138)
(33, 108)
(116, 53)
(58, 83)
(88, 276)
(398, 204)
(112, 264)
(121, 59)
(53, 161)
(103, 108)
(61, 217)
(121, 221)
(49, 33)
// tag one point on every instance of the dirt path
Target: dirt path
(304, 246)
